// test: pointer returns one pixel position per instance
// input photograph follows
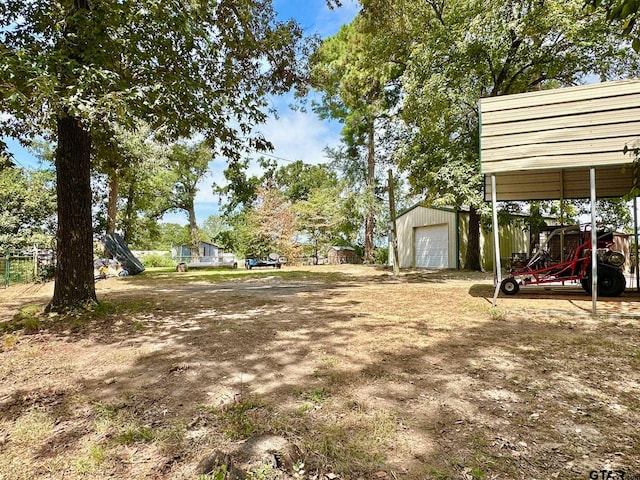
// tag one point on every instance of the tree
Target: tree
(272, 222)
(462, 51)
(27, 208)
(320, 217)
(213, 229)
(356, 90)
(188, 165)
(298, 180)
(69, 66)
(129, 159)
(623, 12)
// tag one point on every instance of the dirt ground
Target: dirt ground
(342, 372)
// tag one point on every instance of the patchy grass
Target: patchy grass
(27, 319)
(365, 374)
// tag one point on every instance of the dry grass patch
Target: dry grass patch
(366, 375)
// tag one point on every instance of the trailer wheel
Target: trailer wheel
(611, 282)
(509, 286)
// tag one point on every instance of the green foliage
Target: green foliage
(298, 180)
(156, 260)
(27, 208)
(623, 13)
(71, 68)
(381, 255)
(358, 89)
(92, 460)
(320, 217)
(265, 472)
(114, 73)
(188, 164)
(162, 236)
(461, 51)
(136, 434)
(132, 182)
(238, 421)
(213, 228)
(272, 225)
(45, 273)
(474, 49)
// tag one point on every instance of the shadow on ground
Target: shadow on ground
(411, 378)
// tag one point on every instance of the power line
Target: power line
(275, 157)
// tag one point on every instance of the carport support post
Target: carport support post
(496, 238)
(635, 232)
(594, 244)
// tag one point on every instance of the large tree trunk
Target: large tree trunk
(195, 231)
(112, 208)
(370, 220)
(129, 213)
(472, 258)
(74, 286)
(112, 204)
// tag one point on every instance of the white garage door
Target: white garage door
(432, 246)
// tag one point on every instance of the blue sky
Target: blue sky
(295, 135)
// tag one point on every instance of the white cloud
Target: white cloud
(295, 136)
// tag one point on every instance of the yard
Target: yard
(325, 372)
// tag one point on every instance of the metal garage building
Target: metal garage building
(436, 238)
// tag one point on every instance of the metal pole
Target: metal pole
(637, 254)
(7, 267)
(562, 216)
(394, 229)
(496, 239)
(594, 244)
(35, 262)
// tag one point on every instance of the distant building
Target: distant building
(338, 255)
(206, 253)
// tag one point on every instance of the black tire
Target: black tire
(509, 286)
(611, 282)
(586, 284)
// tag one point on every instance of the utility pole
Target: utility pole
(394, 230)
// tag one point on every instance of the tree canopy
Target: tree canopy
(27, 213)
(67, 68)
(460, 51)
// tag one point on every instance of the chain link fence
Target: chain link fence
(26, 267)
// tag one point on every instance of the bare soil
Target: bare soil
(361, 374)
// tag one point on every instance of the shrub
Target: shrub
(381, 255)
(155, 260)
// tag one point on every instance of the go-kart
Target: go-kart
(542, 268)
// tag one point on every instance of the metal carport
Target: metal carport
(573, 142)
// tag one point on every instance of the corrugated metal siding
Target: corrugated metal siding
(561, 128)
(614, 181)
(513, 239)
(421, 217)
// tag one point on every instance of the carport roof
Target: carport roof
(541, 145)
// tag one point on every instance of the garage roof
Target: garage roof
(540, 145)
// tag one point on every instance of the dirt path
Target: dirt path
(366, 375)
